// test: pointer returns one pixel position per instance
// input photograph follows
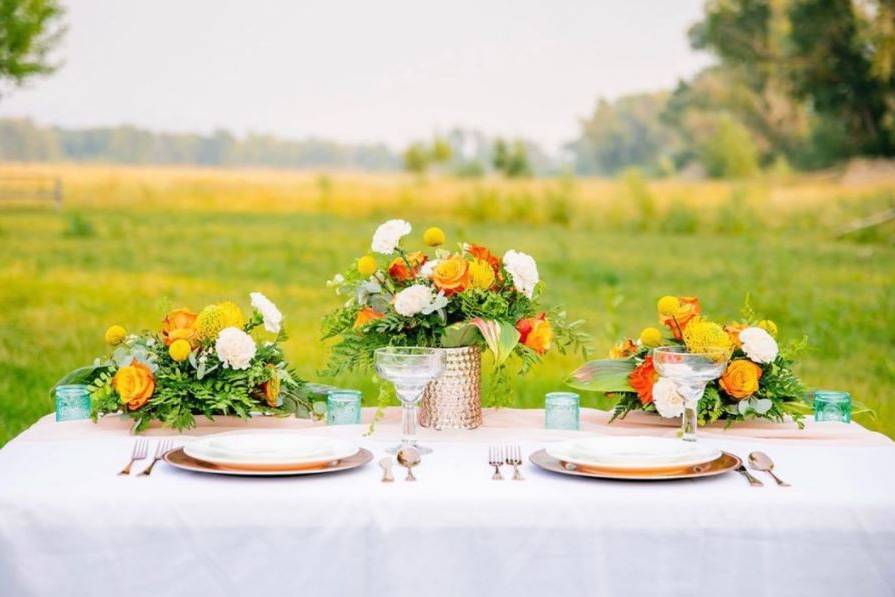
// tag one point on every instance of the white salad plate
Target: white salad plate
(258, 450)
(632, 453)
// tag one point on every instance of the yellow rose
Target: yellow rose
(768, 326)
(178, 324)
(134, 384)
(115, 335)
(366, 265)
(740, 379)
(180, 350)
(451, 275)
(433, 236)
(271, 388)
(481, 275)
(651, 337)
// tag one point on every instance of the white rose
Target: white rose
(524, 271)
(428, 268)
(413, 299)
(759, 345)
(667, 399)
(273, 319)
(235, 348)
(388, 235)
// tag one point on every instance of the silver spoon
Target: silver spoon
(409, 458)
(762, 462)
(386, 464)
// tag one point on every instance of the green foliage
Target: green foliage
(29, 31)
(735, 217)
(416, 158)
(642, 199)
(679, 218)
(560, 201)
(469, 169)
(730, 152)
(511, 159)
(78, 226)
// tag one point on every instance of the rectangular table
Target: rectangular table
(70, 526)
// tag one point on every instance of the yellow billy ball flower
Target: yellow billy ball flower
(233, 316)
(433, 236)
(651, 337)
(768, 326)
(668, 305)
(702, 335)
(481, 274)
(115, 335)
(210, 322)
(179, 350)
(366, 265)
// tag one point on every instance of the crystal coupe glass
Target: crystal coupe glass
(410, 369)
(690, 372)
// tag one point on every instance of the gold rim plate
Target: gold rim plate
(178, 459)
(723, 464)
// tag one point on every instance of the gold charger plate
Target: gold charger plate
(178, 459)
(723, 464)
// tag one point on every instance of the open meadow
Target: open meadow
(131, 242)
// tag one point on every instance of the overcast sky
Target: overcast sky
(358, 70)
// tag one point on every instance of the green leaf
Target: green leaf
(460, 334)
(603, 375)
(500, 337)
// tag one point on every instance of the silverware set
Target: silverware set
(505, 455)
(759, 461)
(141, 450)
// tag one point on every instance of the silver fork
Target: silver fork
(138, 453)
(495, 459)
(160, 449)
(514, 459)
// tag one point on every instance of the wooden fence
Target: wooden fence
(25, 187)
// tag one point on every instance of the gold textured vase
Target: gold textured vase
(454, 399)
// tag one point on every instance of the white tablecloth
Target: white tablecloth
(70, 526)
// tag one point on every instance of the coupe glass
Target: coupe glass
(410, 369)
(690, 372)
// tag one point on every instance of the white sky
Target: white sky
(358, 70)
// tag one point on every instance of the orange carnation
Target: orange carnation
(365, 316)
(688, 307)
(740, 380)
(451, 275)
(179, 324)
(134, 384)
(399, 270)
(733, 332)
(535, 333)
(642, 380)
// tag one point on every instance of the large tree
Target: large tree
(29, 30)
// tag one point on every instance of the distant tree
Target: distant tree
(416, 158)
(730, 152)
(511, 160)
(501, 155)
(29, 30)
(442, 152)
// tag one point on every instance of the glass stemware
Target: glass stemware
(410, 369)
(690, 372)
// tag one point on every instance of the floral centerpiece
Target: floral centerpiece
(214, 362)
(757, 383)
(464, 298)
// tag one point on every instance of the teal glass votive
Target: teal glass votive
(343, 407)
(830, 405)
(72, 403)
(561, 410)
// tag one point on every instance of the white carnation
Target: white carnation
(273, 319)
(759, 345)
(524, 271)
(429, 268)
(667, 399)
(235, 348)
(413, 299)
(388, 235)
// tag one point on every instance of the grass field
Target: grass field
(131, 242)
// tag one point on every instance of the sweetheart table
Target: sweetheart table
(70, 526)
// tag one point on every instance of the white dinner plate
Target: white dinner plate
(260, 449)
(632, 453)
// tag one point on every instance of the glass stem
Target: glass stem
(408, 425)
(688, 421)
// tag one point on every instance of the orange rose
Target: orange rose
(687, 308)
(134, 384)
(179, 324)
(740, 380)
(623, 349)
(480, 252)
(733, 331)
(535, 333)
(399, 271)
(451, 275)
(365, 316)
(642, 380)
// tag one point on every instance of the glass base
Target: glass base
(423, 450)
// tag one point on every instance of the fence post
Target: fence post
(57, 192)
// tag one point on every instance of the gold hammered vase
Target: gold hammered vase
(454, 399)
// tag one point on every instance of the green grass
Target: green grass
(59, 290)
